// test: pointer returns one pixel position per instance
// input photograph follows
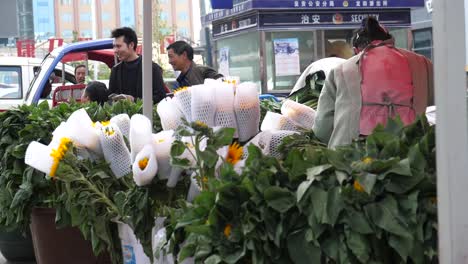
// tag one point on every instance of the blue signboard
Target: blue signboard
(326, 4)
(221, 4)
(310, 5)
(338, 18)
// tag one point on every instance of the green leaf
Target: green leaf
(279, 198)
(317, 170)
(213, 259)
(401, 168)
(300, 251)
(302, 189)
(385, 215)
(209, 156)
(177, 148)
(358, 222)
(335, 205)
(318, 198)
(367, 180)
(358, 245)
(223, 137)
(402, 245)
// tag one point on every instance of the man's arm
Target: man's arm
(159, 91)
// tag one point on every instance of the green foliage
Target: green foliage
(370, 202)
(22, 187)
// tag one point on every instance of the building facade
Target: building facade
(44, 19)
(271, 42)
(73, 19)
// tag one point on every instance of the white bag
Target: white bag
(140, 133)
(275, 121)
(115, 151)
(183, 99)
(225, 116)
(38, 156)
(247, 109)
(203, 104)
(170, 115)
(80, 130)
(122, 121)
(302, 115)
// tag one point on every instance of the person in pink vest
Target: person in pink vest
(379, 82)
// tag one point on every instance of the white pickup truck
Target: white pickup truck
(16, 74)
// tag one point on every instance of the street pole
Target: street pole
(451, 129)
(147, 60)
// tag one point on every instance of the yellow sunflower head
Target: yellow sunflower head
(181, 89)
(234, 154)
(227, 230)
(143, 163)
(358, 187)
(367, 160)
(58, 154)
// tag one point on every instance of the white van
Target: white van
(16, 73)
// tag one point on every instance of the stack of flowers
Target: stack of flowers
(216, 104)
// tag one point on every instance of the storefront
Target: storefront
(271, 42)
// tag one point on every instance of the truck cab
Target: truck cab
(97, 50)
(16, 74)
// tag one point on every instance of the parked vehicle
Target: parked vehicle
(16, 74)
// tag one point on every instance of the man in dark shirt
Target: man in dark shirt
(180, 55)
(126, 76)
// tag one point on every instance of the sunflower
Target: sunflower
(234, 154)
(200, 124)
(367, 160)
(105, 123)
(143, 163)
(109, 131)
(358, 187)
(227, 230)
(181, 89)
(58, 154)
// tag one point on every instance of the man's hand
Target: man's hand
(118, 97)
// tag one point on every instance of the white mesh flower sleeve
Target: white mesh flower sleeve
(301, 114)
(203, 104)
(225, 116)
(247, 109)
(115, 151)
(275, 121)
(269, 141)
(38, 156)
(122, 121)
(170, 115)
(183, 99)
(162, 143)
(145, 166)
(81, 131)
(140, 133)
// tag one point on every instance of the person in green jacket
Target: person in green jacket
(180, 55)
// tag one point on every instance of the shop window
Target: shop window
(422, 42)
(240, 57)
(10, 83)
(287, 55)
